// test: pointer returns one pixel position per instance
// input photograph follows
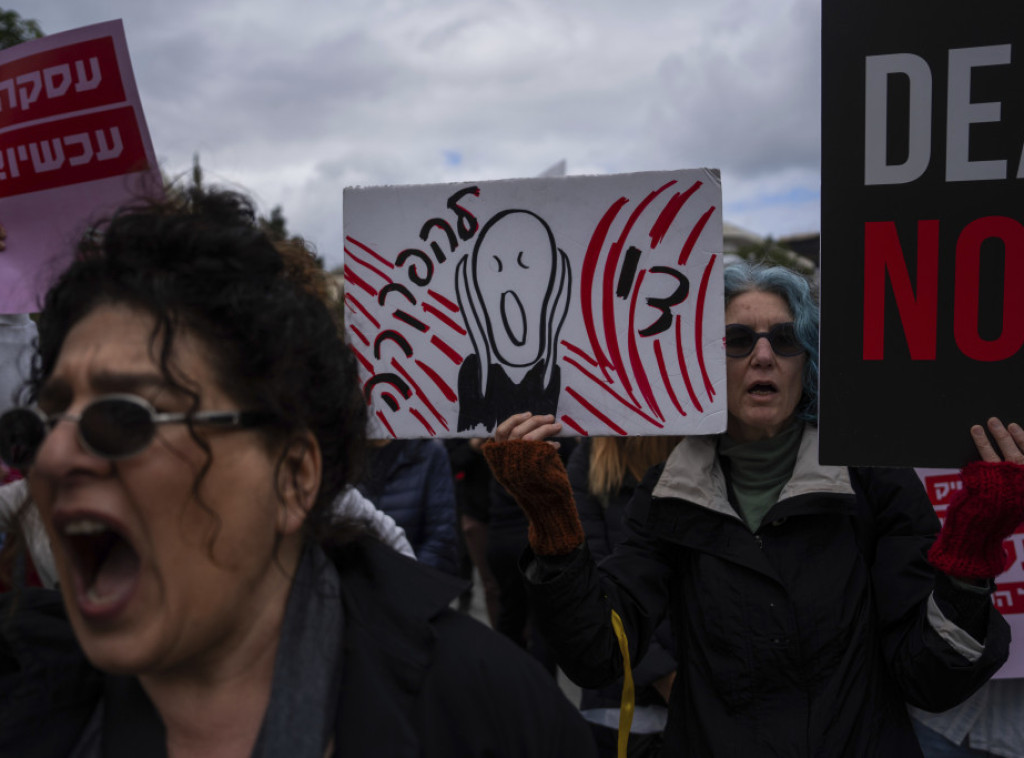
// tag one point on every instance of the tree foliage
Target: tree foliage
(15, 29)
(770, 251)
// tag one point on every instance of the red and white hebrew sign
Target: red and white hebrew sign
(73, 145)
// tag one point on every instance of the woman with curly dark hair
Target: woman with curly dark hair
(195, 415)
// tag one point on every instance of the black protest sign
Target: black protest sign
(922, 227)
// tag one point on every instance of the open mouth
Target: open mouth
(513, 315)
(762, 389)
(104, 565)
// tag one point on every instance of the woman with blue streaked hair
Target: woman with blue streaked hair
(801, 299)
(808, 603)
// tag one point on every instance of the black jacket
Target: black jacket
(418, 679)
(411, 481)
(805, 638)
(605, 527)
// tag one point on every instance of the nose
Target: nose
(762, 353)
(62, 451)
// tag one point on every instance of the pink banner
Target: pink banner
(73, 146)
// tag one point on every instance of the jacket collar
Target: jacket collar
(389, 602)
(693, 473)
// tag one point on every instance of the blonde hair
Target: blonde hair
(611, 458)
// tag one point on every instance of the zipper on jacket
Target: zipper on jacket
(759, 540)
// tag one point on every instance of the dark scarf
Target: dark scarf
(299, 721)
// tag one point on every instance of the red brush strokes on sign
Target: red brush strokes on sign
(610, 391)
(71, 151)
(350, 276)
(362, 359)
(682, 365)
(419, 417)
(428, 308)
(574, 426)
(440, 344)
(350, 256)
(419, 392)
(611, 266)
(634, 353)
(580, 353)
(669, 213)
(691, 240)
(665, 378)
(350, 298)
(589, 272)
(444, 301)
(380, 417)
(64, 80)
(698, 327)
(369, 250)
(436, 379)
(597, 414)
(360, 335)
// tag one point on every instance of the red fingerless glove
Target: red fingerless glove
(981, 515)
(534, 475)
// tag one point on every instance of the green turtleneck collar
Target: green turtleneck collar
(759, 470)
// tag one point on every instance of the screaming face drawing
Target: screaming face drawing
(513, 291)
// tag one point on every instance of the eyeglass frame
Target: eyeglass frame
(221, 419)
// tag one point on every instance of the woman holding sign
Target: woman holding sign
(196, 414)
(804, 608)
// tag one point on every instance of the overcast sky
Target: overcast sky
(295, 101)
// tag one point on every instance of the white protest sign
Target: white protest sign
(595, 298)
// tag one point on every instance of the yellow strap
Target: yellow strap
(628, 695)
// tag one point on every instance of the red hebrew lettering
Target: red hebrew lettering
(1009, 597)
(70, 151)
(966, 300)
(918, 306)
(65, 80)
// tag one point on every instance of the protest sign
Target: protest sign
(597, 299)
(941, 485)
(73, 146)
(922, 261)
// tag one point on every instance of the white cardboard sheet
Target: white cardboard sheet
(596, 298)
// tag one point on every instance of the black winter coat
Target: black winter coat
(805, 638)
(411, 481)
(418, 679)
(605, 527)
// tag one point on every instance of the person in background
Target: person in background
(472, 498)
(989, 723)
(17, 342)
(507, 538)
(411, 481)
(195, 415)
(604, 472)
(809, 603)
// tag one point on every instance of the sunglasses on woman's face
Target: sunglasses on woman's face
(741, 339)
(111, 427)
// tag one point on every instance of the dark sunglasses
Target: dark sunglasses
(740, 340)
(111, 427)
